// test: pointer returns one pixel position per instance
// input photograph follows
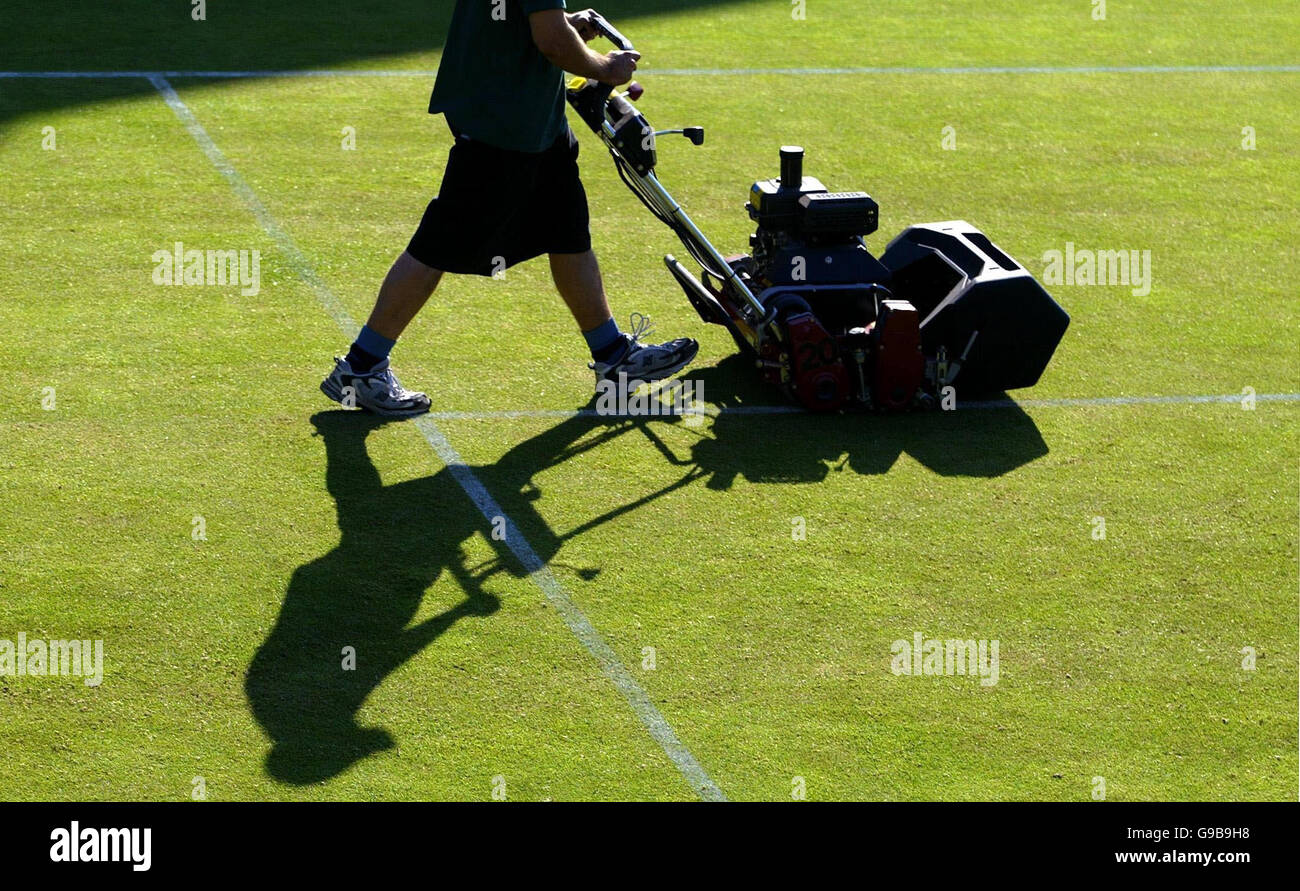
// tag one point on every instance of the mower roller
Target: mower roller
(942, 310)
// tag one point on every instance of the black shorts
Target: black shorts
(497, 207)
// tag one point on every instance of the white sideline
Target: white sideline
(538, 571)
(696, 72)
(715, 411)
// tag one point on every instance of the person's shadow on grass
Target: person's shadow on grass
(345, 622)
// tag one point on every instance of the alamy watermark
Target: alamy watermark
(102, 845)
(179, 266)
(1088, 267)
(40, 658)
(621, 398)
(936, 656)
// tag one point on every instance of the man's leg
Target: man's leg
(363, 379)
(405, 290)
(577, 278)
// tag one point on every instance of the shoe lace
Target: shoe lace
(387, 382)
(640, 325)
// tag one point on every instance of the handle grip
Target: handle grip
(609, 32)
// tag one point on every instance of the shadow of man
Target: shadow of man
(396, 541)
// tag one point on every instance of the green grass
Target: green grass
(1119, 658)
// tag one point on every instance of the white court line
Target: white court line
(538, 572)
(698, 72)
(712, 411)
(985, 69)
(1132, 400)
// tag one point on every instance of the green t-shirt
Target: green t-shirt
(494, 84)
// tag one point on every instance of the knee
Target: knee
(412, 273)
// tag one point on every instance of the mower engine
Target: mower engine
(848, 340)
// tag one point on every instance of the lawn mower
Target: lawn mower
(942, 310)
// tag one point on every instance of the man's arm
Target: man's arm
(559, 42)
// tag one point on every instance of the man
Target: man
(510, 192)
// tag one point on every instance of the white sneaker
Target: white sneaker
(377, 390)
(645, 362)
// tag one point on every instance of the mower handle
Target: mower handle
(609, 32)
(612, 34)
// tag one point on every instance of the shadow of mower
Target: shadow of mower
(798, 447)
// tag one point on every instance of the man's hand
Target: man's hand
(583, 24)
(619, 67)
